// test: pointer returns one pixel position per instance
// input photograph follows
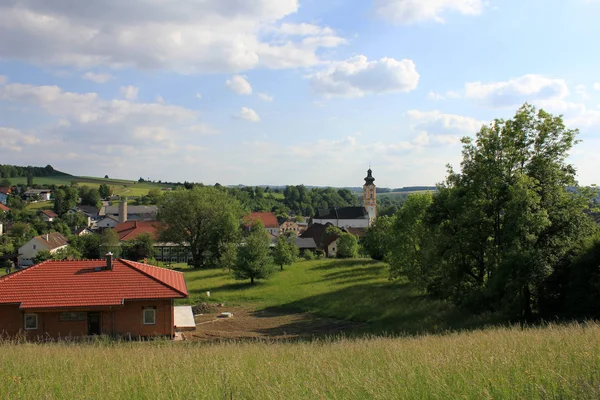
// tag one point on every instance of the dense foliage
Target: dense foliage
(205, 218)
(505, 233)
(12, 171)
(254, 260)
(285, 251)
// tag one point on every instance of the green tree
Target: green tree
(105, 191)
(67, 253)
(41, 256)
(90, 196)
(408, 239)
(228, 256)
(109, 242)
(205, 218)
(88, 246)
(285, 251)
(347, 246)
(377, 240)
(5, 182)
(142, 247)
(254, 259)
(501, 225)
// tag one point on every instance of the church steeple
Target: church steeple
(370, 196)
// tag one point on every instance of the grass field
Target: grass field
(120, 187)
(556, 362)
(353, 290)
(40, 205)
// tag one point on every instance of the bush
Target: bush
(309, 255)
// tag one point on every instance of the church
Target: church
(353, 217)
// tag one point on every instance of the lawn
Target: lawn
(555, 362)
(40, 205)
(354, 290)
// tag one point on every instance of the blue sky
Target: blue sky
(286, 91)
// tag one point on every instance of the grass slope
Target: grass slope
(557, 362)
(355, 290)
(121, 187)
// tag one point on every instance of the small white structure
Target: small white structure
(51, 241)
(44, 194)
(184, 318)
(107, 221)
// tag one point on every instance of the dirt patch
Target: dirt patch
(249, 324)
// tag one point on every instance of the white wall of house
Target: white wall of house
(29, 250)
(106, 223)
(344, 223)
(332, 249)
(273, 231)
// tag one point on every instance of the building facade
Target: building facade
(370, 196)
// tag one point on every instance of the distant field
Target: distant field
(120, 187)
(555, 362)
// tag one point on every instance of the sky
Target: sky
(283, 92)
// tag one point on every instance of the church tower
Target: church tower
(370, 196)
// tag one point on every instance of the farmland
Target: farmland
(120, 187)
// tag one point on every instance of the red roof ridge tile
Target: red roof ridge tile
(131, 264)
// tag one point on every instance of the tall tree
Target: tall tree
(204, 218)
(254, 259)
(105, 191)
(109, 242)
(285, 251)
(139, 248)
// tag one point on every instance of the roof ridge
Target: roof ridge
(131, 265)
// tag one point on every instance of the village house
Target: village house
(268, 219)
(325, 242)
(41, 194)
(48, 215)
(105, 222)
(50, 241)
(123, 212)
(345, 217)
(57, 299)
(82, 231)
(163, 251)
(4, 193)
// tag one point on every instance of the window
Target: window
(31, 322)
(71, 317)
(34, 247)
(149, 316)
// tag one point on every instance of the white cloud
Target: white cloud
(358, 77)
(85, 120)
(303, 29)
(265, 97)
(517, 91)
(436, 128)
(247, 114)
(160, 100)
(596, 86)
(412, 11)
(130, 92)
(198, 95)
(98, 78)
(187, 36)
(15, 140)
(3, 79)
(239, 85)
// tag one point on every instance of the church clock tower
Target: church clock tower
(370, 196)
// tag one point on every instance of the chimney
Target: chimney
(109, 261)
(47, 237)
(123, 210)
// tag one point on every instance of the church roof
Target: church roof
(369, 179)
(342, 213)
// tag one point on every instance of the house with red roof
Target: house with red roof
(92, 297)
(3, 208)
(48, 215)
(268, 219)
(163, 251)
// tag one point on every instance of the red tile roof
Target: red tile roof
(3, 207)
(268, 219)
(5, 190)
(49, 213)
(77, 284)
(132, 229)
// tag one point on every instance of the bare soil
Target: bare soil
(277, 325)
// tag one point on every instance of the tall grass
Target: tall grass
(561, 362)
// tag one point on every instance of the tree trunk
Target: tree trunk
(252, 280)
(281, 267)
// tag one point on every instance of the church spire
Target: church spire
(369, 179)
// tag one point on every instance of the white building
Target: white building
(51, 241)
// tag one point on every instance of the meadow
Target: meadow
(120, 187)
(351, 290)
(553, 362)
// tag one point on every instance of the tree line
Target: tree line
(13, 171)
(506, 233)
